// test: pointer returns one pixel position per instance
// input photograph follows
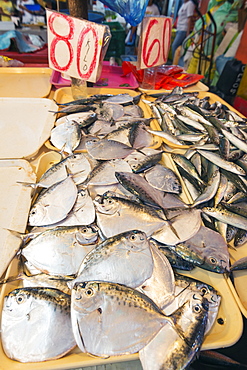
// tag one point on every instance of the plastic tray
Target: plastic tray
(15, 200)
(221, 335)
(64, 95)
(111, 76)
(26, 124)
(199, 86)
(25, 82)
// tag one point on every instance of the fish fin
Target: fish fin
(231, 247)
(28, 184)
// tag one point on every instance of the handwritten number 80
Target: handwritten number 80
(86, 42)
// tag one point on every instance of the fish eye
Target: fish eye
(109, 201)
(204, 290)
(20, 298)
(197, 308)
(33, 212)
(133, 237)
(213, 260)
(85, 230)
(89, 292)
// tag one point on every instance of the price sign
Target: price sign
(155, 40)
(74, 45)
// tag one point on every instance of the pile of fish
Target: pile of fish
(108, 225)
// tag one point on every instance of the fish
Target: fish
(139, 164)
(66, 136)
(60, 251)
(163, 178)
(190, 217)
(53, 204)
(222, 163)
(167, 350)
(210, 247)
(83, 119)
(106, 149)
(226, 216)
(137, 185)
(115, 215)
(240, 264)
(240, 144)
(104, 172)
(160, 287)
(77, 165)
(96, 307)
(240, 238)
(210, 190)
(36, 325)
(139, 137)
(110, 260)
(187, 166)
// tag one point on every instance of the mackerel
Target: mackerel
(220, 162)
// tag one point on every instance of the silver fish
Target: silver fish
(53, 204)
(59, 251)
(96, 307)
(116, 215)
(104, 172)
(163, 178)
(226, 216)
(104, 149)
(31, 324)
(160, 287)
(110, 260)
(66, 136)
(210, 190)
(220, 162)
(189, 217)
(170, 351)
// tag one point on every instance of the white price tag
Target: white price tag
(155, 40)
(74, 45)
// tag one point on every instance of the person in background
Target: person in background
(7, 9)
(184, 22)
(151, 10)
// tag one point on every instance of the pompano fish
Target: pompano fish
(82, 213)
(105, 149)
(139, 164)
(104, 172)
(116, 215)
(66, 136)
(139, 137)
(160, 286)
(167, 350)
(109, 261)
(76, 164)
(59, 251)
(82, 118)
(112, 319)
(36, 324)
(189, 217)
(163, 178)
(53, 204)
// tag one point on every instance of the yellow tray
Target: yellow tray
(199, 86)
(25, 82)
(64, 95)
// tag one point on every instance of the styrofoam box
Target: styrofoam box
(25, 125)
(15, 200)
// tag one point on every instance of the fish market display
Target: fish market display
(113, 223)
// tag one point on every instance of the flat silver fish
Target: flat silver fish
(112, 319)
(60, 251)
(66, 136)
(163, 178)
(36, 324)
(110, 260)
(116, 215)
(53, 204)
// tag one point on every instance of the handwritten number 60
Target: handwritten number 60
(154, 49)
